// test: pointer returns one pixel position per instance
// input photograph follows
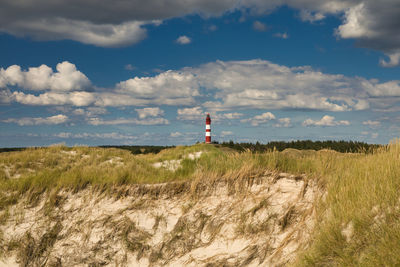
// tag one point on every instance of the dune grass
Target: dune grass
(362, 203)
(358, 219)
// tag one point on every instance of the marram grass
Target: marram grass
(358, 219)
(362, 197)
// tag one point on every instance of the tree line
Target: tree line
(340, 146)
(141, 149)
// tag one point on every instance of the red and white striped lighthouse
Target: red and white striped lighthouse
(208, 129)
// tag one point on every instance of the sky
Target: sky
(117, 72)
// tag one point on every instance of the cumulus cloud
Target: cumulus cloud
(105, 35)
(176, 134)
(129, 67)
(90, 111)
(356, 24)
(372, 123)
(149, 112)
(106, 23)
(190, 114)
(231, 85)
(229, 116)
(183, 40)
(170, 87)
(212, 28)
(394, 60)
(282, 35)
(112, 135)
(260, 84)
(375, 89)
(50, 98)
(67, 78)
(5, 96)
(197, 113)
(283, 122)
(148, 121)
(226, 133)
(52, 120)
(374, 24)
(167, 88)
(307, 15)
(325, 121)
(260, 119)
(79, 111)
(259, 26)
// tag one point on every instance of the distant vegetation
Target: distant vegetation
(340, 146)
(133, 149)
(10, 149)
(141, 149)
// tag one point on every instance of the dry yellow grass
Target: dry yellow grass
(358, 219)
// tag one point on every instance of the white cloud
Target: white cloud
(212, 28)
(391, 88)
(149, 112)
(259, 119)
(356, 24)
(148, 121)
(325, 121)
(226, 133)
(374, 135)
(5, 96)
(170, 87)
(259, 26)
(260, 84)
(283, 122)
(118, 99)
(197, 114)
(283, 35)
(52, 120)
(129, 67)
(183, 40)
(229, 116)
(374, 25)
(67, 78)
(229, 85)
(307, 15)
(371, 123)
(176, 134)
(190, 114)
(63, 135)
(79, 111)
(394, 60)
(90, 111)
(112, 135)
(11, 76)
(70, 98)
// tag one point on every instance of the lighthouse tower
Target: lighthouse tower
(208, 129)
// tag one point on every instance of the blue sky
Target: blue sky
(123, 72)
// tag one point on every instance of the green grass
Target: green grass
(364, 191)
(361, 189)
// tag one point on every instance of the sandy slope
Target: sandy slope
(262, 221)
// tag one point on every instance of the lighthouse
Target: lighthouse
(208, 129)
